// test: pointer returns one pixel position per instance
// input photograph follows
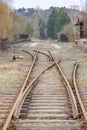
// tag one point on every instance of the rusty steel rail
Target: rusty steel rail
(29, 54)
(18, 98)
(77, 91)
(44, 54)
(24, 91)
(69, 89)
(29, 87)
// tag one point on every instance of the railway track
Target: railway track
(46, 100)
(81, 93)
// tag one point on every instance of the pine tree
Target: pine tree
(51, 23)
(56, 21)
(42, 28)
(61, 20)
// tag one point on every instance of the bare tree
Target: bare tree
(74, 13)
(7, 2)
(35, 22)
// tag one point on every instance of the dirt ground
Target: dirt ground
(13, 73)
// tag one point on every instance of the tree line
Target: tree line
(12, 23)
(56, 21)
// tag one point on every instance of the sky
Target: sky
(45, 4)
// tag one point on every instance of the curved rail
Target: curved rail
(69, 90)
(18, 98)
(24, 91)
(29, 53)
(44, 54)
(77, 92)
(29, 87)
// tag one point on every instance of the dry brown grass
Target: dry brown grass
(12, 73)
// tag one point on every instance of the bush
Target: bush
(69, 31)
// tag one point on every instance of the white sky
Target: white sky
(45, 4)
